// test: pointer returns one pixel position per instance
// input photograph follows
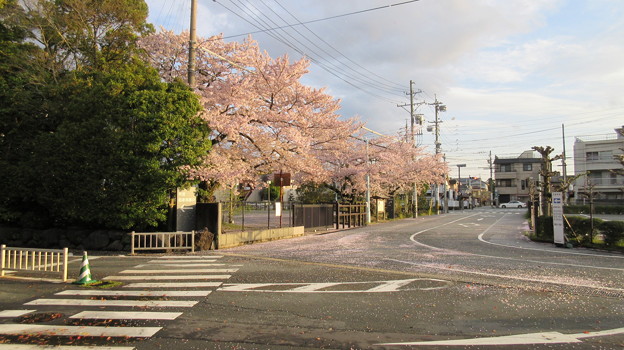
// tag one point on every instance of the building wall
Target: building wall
(599, 158)
(511, 176)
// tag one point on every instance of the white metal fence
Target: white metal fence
(32, 259)
(162, 241)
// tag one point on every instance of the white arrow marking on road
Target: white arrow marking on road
(382, 287)
(517, 339)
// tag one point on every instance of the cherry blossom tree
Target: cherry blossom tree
(263, 118)
(392, 165)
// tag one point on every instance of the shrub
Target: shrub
(544, 228)
(579, 229)
(613, 231)
(598, 209)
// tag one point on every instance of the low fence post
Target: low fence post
(132, 243)
(65, 258)
(193, 241)
(3, 261)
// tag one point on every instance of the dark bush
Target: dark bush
(544, 228)
(578, 229)
(613, 231)
(598, 209)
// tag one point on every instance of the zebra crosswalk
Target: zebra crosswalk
(164, 284)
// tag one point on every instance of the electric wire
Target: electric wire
(394, 87)
(323, 19)
(262, 23)
(362, 79)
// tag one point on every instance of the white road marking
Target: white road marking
(132, 303)
(413, 239)
(440, 267)
(517, 339)
(169, 262)
(183, 265)
(190, 257)
(173, 285)
(15, 313)
(88, 331)
(560, 251)
(132, 293)
(167, 277)
(60, 347)
(181, 271)
(381, 287)
(118, 315)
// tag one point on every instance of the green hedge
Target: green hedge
(598, 209)
(544, 228)
(613, 231)
(578, 230)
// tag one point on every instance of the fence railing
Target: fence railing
(246, 216)
(162, 241)
(313, 215)
(33, 259)
(350, 215)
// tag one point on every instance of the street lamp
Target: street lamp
(461, 203)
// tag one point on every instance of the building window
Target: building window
(589, 156)
(504, 183)
(505, 168)
(527, 167)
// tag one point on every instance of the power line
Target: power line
(396, 86)
(321, 19)
(261, 23)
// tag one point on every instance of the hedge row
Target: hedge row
(578, 230)
(598, 209)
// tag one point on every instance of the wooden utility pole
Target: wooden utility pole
(192, 39)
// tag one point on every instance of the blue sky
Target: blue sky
(510, 72)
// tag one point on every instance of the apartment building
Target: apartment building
(513, 176)
(597, 157)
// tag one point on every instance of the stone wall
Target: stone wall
(235, 239)
(60, 238)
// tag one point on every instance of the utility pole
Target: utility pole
(413, 139)
(563, 165)
(192, 39)
(439, 107)
(491, 181)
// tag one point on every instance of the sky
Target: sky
(512, 74)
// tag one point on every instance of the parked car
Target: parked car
(513, 204)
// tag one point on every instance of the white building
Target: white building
(599, 158)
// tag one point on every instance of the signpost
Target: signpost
(557, 207)
(281, 180)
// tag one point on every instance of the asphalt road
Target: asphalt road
(455, 281)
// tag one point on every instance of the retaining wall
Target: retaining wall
(235, 239)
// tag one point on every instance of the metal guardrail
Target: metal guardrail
(162, 241)
(33, 259)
